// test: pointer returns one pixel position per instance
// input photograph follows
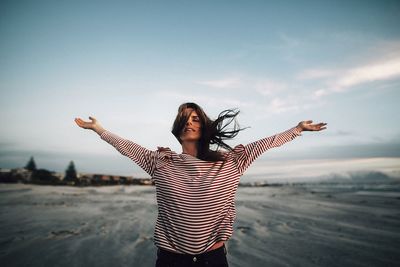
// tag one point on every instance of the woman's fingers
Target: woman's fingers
(320, 126)
(78, 121)
(308, 126)
(85, 124)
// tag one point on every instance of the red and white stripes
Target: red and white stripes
(195, 198)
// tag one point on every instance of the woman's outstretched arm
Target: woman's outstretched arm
(143, 157)
(248, 153)
(90, 125)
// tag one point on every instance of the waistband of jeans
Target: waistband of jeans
(204, 255)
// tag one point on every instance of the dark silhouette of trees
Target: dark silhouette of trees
(39, 176)
(43, 176)
(31, 165)
(70, 173)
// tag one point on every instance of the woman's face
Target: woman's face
(192, 129)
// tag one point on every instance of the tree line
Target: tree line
(30, 173)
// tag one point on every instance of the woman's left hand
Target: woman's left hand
(308, 126)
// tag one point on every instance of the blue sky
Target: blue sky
(131, 63)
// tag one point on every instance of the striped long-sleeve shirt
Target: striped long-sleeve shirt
(195, 198)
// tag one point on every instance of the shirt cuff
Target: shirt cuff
(296, 131)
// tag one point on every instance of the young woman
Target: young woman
(195, 189)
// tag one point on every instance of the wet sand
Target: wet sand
(275, 226)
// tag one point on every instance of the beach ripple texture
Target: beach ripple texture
(307, 225)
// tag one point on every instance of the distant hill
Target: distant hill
(359, 177)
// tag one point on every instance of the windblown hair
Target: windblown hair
(213, 132)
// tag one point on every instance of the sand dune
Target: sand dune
(276, 226)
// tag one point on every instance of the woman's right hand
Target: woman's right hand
(92, 125)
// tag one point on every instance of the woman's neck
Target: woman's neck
(189, 148)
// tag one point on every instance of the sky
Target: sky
(131, 64)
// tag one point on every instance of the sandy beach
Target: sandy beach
(309, 225)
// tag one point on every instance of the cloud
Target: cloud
(375, 71)
(294, 92)
(279, 105)
(269, 87)
(270, 96)
(385, 66)
(213, 101)
(337, 81)
(319, 93)
(264, 86)
(269, 92)
(342, 133)
(225, 83)
(312, 74)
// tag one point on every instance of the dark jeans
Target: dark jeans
(214, 258)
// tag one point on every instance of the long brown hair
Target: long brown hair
(213, 132)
